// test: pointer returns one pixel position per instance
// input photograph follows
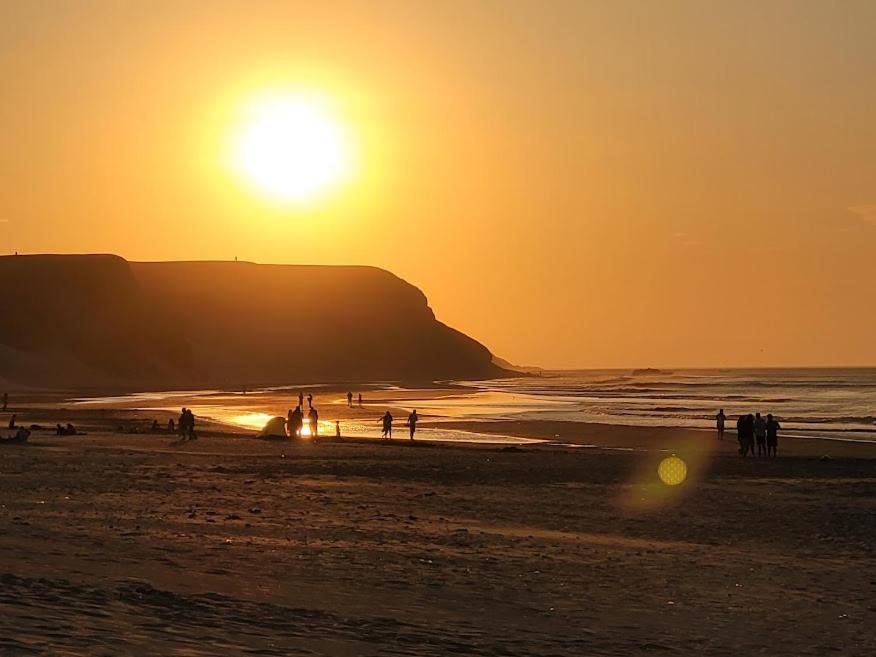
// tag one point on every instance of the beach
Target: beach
(117, 542)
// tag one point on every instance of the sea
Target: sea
(829, 404)
(834, 403)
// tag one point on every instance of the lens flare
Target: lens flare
(672, 471)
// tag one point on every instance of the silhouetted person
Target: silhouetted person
(772, 435)
(413, 418)
(360, 400)
(313, 416)
(69, 430)
(387, 425)
(745, 426)
(760, 434)
(349, 400)
(12, 421)
(171, 427)
(300, 399)
(5, 400)
(720, 418)
(337, 429)
(294, 421)
(309, 401)
(183, 423)
(154, 426)
(190, 426)
(740, 433)
(59, 430)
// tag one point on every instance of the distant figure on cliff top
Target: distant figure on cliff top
(720, 418)
(387, 425)
(349, 400)
(313, 416)
(413, 418)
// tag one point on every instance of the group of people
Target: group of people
(753, 431)
(295, 419)
(186, 425)
(387, 419)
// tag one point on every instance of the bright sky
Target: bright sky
(576, 184)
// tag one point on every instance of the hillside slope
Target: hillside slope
(98, 320)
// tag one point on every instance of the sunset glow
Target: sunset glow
(291, 149)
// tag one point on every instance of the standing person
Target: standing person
(740, 434)
(294, 422)
(309, 401)
(349, 400)
(749, 434)
(313, 416)
(300, 399)
(413, 418)
(772, 435)
(337, 428)
(387, 425)
(360, 400)
(290, 424)
(5, 400)
(191, 426)
(760, 434)
(171, 427)
(720, 418)
(183, 424)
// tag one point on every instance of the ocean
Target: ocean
(837, 403)
(832, 404)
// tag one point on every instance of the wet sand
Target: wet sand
(139, 544)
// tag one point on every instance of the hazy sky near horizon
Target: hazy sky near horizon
(576, 184)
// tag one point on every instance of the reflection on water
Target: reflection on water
(249, 420)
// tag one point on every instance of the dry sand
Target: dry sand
(124, 544)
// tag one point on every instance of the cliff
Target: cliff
(100, 321)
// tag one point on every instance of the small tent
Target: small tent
(275, 428)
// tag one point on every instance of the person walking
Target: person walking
(720, 418)
(349, 400)
(413, 418)
(387, 425)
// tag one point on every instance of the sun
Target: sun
(292, 148)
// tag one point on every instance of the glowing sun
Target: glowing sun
(292, 148)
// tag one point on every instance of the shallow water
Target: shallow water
(837, 404)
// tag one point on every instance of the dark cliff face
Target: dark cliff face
(99, 320)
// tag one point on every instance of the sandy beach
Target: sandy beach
(140, 544)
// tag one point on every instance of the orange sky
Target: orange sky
(575, 184)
